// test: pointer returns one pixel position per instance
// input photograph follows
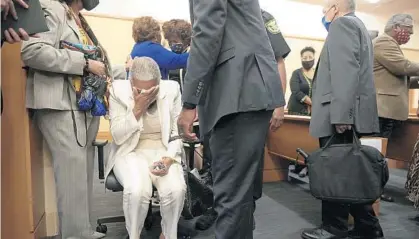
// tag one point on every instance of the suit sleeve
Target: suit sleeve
(388, 54)
(165, 59)
(209, 19)
(41, 53)
(343, 49)
(295, 87)
(170, 60)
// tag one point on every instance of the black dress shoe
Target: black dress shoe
(356, 234)
(320, 233)
(386, 198)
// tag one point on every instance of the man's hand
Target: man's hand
(341, 128)
(7, 6)
(143, 99)
(185, 124)
(161, 168)
(277, 119)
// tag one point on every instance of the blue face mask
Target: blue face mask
(326, 24)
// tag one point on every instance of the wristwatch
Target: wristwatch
(189, 106)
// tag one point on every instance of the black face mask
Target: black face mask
(177, 48)
(308, 64)
(90, 4)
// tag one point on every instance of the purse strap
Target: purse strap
(68, 80)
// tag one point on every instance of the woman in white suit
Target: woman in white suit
(143, 115)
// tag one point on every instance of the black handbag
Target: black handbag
(347, 173)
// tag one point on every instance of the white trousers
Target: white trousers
(133, 172)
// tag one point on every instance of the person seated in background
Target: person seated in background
(147, 35)
(146, 148)
(391, 76)
(53, 75)
(178, 34)
(299, 102)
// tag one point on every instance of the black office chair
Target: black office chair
(112, 184)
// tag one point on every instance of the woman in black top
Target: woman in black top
(301, 81)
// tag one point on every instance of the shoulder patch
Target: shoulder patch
(272, 26)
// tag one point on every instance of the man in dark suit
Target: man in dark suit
(232, 76)
(343, 100)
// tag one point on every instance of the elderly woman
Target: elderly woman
(146, 146)
(53, 76)
(178, 34)
(147, 35)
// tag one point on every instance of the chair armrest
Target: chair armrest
(100, 157)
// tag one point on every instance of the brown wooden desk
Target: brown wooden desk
(22, 167)
(401, 143)
(294, 133)
(281, 145)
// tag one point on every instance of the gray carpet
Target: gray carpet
(281, 213)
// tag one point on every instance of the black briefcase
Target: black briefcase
(347, 173)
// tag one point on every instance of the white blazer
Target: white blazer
(126, 130)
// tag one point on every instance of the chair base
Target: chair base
(102, 228)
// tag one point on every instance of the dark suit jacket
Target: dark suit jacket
(231, 67)
(343, 89)
(300, 88)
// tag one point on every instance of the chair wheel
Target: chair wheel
(148, 223)
(102, 228)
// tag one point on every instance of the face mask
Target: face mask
(307, 64)
(90, 4)
(326, 24)
(402, 36)
(177, 48)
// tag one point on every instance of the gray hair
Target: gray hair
(348, 5)
(144, 69)
(397, 20)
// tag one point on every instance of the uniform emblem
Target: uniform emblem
(272, 27)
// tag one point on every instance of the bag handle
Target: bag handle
(356, 142)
